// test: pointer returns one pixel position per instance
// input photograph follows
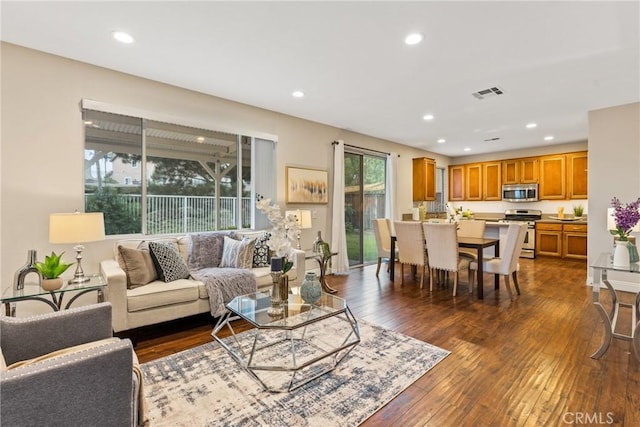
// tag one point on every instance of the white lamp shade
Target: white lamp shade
(303, 217)
(611, 221)
(76, 227)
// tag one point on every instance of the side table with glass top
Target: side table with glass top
(601, 268)
(55, 299)
(287, 351)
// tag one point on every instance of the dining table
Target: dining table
(477, 243)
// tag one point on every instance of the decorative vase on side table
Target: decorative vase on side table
(621, 256)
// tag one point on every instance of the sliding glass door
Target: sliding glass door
(364, 196)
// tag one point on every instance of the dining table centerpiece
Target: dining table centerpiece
(284, 232)
(625, 216)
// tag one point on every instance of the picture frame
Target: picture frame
(307, 185)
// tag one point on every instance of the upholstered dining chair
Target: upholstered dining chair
(382, 233)
(471, 228)
(410, 243)
(442, 249)
(507, 263)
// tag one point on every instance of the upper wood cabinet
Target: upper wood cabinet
(492, 182)
(424, 179)
(456, 182)
(473, 187)
(577, 175)
(553, 177)
(520, 171)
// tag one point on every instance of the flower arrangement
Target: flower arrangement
(284, 231)
(626, 217)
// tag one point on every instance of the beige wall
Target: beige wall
(614, 169)
(41, 169)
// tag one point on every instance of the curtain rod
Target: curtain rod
(365, 149)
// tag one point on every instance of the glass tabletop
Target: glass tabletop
(34, 289)
(297, 313)
(605, 262)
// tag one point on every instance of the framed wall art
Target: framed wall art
(307, 185)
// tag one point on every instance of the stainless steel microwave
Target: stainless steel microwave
(520, 193)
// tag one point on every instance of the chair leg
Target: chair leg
(430, 279)
(515, 281)
(508, 285)
(378, 268)
(422, 277)
(402, 273)
(470, 280)
(455, 283)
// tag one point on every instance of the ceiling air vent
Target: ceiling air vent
(493, 91)
(491, 139)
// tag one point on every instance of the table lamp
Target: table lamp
(303, 219)
(76, 228)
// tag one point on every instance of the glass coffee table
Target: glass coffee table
(287, 351)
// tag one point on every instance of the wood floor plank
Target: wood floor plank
(524, 362)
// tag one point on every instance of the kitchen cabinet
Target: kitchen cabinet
(473, 181)
(574, 241)
(456, 183)
(561, 240)
(549, 239)
(424, 179)
(492, 182)
(520, 171)
(553, 177)
(577, 175)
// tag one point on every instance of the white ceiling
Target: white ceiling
(554, 61)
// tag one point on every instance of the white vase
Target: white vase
(621, 257)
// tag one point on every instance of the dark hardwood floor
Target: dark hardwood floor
(520, 363)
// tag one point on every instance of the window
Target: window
(154, 177)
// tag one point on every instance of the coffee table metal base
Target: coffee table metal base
(281, 360)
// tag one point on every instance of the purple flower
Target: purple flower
(626, 217)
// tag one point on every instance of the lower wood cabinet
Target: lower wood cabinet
(561, 240)
(549, 239)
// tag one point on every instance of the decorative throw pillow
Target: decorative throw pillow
(205, 249)
(169, 264)
(237, 253)
(138, 266)
(261, 251)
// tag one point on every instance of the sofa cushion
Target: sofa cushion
(205, 250)
(159, 294)
(138, 265)
(237, 253)
(168, 262)
(261, 251)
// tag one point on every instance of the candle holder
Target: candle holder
(276, 308)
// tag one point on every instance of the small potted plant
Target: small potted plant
(577, 211)
(51, 269)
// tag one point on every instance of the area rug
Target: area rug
(204, 386)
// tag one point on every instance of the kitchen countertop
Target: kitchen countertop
(548, 220)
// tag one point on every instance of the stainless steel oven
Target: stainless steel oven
(528, 216)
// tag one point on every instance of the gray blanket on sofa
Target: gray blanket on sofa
(224, 284)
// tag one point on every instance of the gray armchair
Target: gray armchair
(77, 374)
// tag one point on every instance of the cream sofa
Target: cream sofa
(160, 301)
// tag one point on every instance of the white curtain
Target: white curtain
(338, 233)
(390, 189)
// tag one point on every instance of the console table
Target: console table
(601, 267)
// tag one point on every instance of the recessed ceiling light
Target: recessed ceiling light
(123, 37)
(200, 139)
(413, 38)
(531, 125)
(428, 117)
(297, 94)
(548, 138)
(88, 122)
(442, 141)
(467, 149)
